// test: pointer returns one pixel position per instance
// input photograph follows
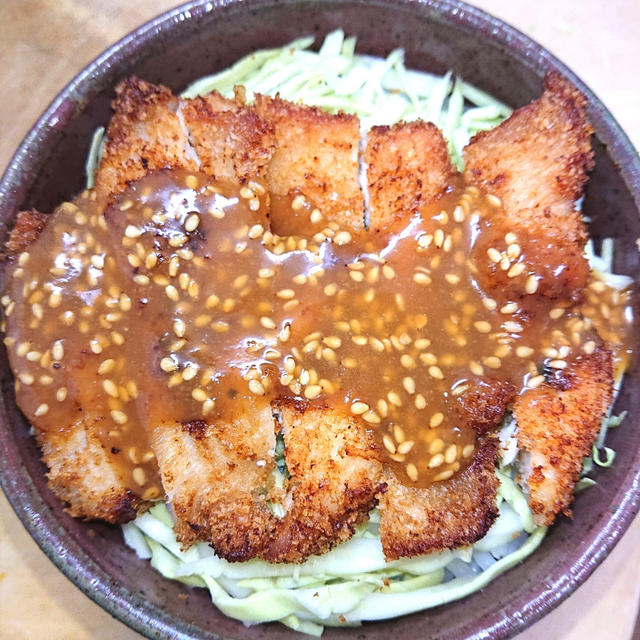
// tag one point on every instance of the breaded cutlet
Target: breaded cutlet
(557, 425)
(316, 155)
(445, 515)
(144, 134)
(536, 162)
(408, 166)
(231, 141)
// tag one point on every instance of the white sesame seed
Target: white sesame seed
(516, 270)
(409, 384)
(41, 410)
(192, 222)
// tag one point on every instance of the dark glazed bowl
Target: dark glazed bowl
(199, 38)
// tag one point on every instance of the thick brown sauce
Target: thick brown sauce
(178, 301)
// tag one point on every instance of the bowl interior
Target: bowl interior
(199, 39)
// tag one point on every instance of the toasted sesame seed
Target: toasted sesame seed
(516, 270)
(557, 364)
(412, 471)
(437, 446)
(450, 454)
(255, 386)
(106, 366)
(421, 278)
(394, 399)
(358, 408)
(57, 350)
(388, 443)
(199, 394)
(435, 461)
(476, 368)
(468, 450)
(443, 475)
(407, 361)
(41, 410)
(494, 255)
(405, 447)
(509, 308)
(267, 322)
(139, 475)
(425, 240)
(95, 346)
(512, 327)
(589, 347)
(388, 272)
(436, 372)
(556, 313)
(398, 433)
(482, 326)
(119, 417)
(535, 381)
(207, 406)
(110, 388)
(132, 231)
(192, 222)
(189, 372)
(513, 251)
(510, 238)
(436, 420)
(419, 401)
(342, 238)
(492, 362)
(409, 384)
(312, 391)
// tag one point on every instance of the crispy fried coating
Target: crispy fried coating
(408, 166)
(81, 474)
(482, 406)
(445, 515)
(232, 142)
(26, 229)
(217, 476)
(145, 134)
(316, 155)
(557, 425)
(536, 162)
(335, 478)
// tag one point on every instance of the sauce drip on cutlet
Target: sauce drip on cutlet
(178, 303)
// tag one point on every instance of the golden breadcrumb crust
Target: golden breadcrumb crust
(557, 425)
(408, 166)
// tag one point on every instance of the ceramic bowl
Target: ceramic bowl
(197, 39)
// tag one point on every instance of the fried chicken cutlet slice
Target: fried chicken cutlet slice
(82, 475)
(317, 156)
(457, 511)
(144, 134)
(151, 129)
(408, 166)
(232, 142)
(445, 515)
(335, 480)
(26, 229)
(536, 163)
(82, 472)
(217, 476)
(557, 425)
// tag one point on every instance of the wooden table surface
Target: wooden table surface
(44, 43)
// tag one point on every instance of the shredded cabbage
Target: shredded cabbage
(353, 582)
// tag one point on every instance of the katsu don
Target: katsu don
(251, 277)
